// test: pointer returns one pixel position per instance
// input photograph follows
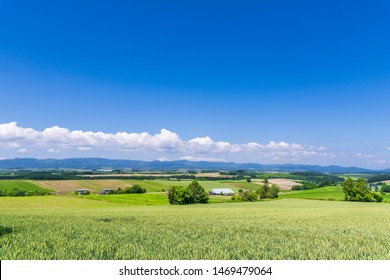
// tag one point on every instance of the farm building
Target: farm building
(81, 191)
(221, 192)
(107, 191)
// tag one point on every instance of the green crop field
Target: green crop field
(9, 185)
(62, 227)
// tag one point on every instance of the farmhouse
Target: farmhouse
(221, 192)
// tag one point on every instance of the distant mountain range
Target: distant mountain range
(101, 163)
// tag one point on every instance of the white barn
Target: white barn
(221, 192)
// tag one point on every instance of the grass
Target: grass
(242, 185)
(44, 203)
(9, 185)
(300, 225)
(326, 193)
(159, 185)
(149, 185)
(143, 199)
(79, 228)
(66, 186)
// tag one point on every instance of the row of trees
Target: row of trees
(132, 189)
(17, 192)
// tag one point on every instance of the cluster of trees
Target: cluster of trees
(192, 194)
(17, 192)
(265, 191)
(132, 189)
(385, 188)
(359, 191)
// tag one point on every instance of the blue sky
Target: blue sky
(306, 81)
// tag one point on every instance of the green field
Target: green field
(9, 185)
(61, 227)
(158, 185)
(326, 193)
(311, 224)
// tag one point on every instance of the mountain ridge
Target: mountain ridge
(101, 163)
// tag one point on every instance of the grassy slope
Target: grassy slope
(50, 202)
(327, 193)
(144, 199)
(281, 229)
(9, 185)
(92, 185)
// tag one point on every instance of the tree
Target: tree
(192, 194)
(268, 192)
(197, 192)
(248, 179)
(262, 192)
(359, 191)
(273, 191)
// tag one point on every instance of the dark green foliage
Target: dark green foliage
(248, 179)
(273, 191)
(192, 194)
(198, 193)
(18, 192)
(262, 191)
(385, 188)
(5, 230)
(245, 196)
(378, 178)
(265, 191)
(132, 189)
(268, 192)
(358, 191)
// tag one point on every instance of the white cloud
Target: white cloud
(163, 159)
(11, 145)
(56, 138)
(192, 158)
(84, 148)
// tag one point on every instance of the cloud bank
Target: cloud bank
(58, 139)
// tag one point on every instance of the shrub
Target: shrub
(132, 189)
(245, 196)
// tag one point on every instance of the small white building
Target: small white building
(221, 192)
